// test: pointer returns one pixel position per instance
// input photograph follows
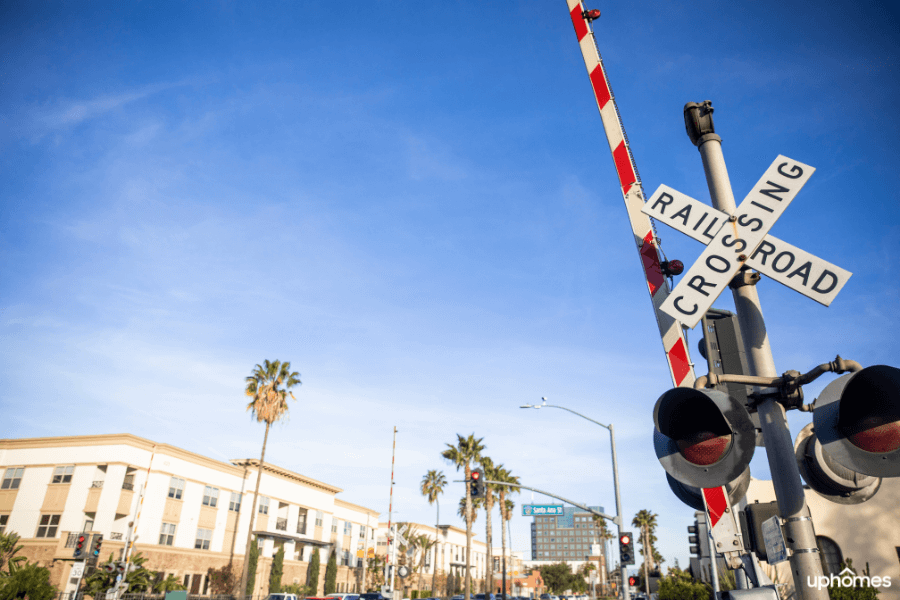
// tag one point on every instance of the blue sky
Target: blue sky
(415, 205)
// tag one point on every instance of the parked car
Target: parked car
(457, 597)
(282, 597)
(371, 596)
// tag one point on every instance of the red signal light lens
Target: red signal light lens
(872, 435)
(624, 539)
(476, 475)
(704, 447)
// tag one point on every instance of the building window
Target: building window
(830, 554)
(263, 505)
(88, 524)
(348, 527)
(318, 518)
(176, 488)
(4, 519)
(234, 504)
(301, 522)
(62, 475)
(362, 531)
(167, 534)
(204, 537)
(12, 479)
(334, 525)
(47, 527)
(345, 558)
(210, 496)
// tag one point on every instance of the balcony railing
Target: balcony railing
(70, 540)
(281, 524)
(115, 536)
(128, 486)
(97, 484)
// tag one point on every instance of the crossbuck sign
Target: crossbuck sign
(742, 239)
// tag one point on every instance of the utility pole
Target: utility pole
(799, 533)
(390, 563)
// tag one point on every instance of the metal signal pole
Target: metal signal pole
(799, 533)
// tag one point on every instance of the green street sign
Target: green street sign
(531, 510)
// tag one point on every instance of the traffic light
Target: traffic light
(95, 545)
(477, 484)
(80, 543)
(626, 548)
(632, 581)
(694, 539)
(854, 439)
(110, 567)
(703, 438)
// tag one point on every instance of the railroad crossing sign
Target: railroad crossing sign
(742, 239)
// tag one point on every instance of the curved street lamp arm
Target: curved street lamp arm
(567, 501)
(575, 413)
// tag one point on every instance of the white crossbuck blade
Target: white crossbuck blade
(742, 239)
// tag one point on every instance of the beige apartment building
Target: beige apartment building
(187, 513)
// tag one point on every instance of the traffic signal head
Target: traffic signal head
(703, 438)
(626, 548)
(80, 543)
(110, 567)
(97, 542)
(632, 581)
(477, 484)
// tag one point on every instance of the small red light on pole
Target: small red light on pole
(590, 15)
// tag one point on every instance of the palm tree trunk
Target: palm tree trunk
(242, 591)
(468, 593)
(434, 563)
(503, 513)
(646, 538)
(488, 534)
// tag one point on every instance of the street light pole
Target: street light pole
(619, 515)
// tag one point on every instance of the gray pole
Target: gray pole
(624, 569)
(799, 532)
(619, 516)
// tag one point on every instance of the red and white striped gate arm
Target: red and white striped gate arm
(674, 342)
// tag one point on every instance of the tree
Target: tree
(312, 574)
(862, 588)
(604, 536)
(9, 547)
(506, 509)
(331, 574)
(171, 584)
(269, 404)
(557, 577)
(489, 471)
(424, 544)
(138, 580)
(646, 520)
(466, 451)
(29, 581)
(277, 571)
(433, 485)
(221, 581)
(375, 571)
(679, 585)
(252, 562)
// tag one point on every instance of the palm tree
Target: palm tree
(424, 544)
(489, 471)
(604, 535)
(506, 508)
(466, 451)
(433, 485)
(269, 404)
(647, 522)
